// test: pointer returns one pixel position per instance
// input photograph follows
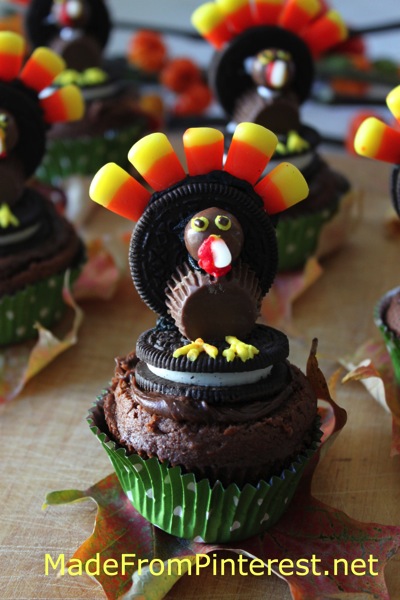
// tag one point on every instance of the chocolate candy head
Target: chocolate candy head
(214, 238)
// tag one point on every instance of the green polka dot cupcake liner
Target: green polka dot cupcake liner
(85, 155)
(391, 339)
(298, 238)
(189, 508)
(41, 303)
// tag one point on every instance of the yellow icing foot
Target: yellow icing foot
(6, 217)
(294, 144)
(195, 348)
(240, 349)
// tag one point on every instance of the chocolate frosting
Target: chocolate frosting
(43, 256)
(272, 392)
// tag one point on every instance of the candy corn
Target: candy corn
(204, 149)
(115, 189)
(283, 187)
(155, 159)
(251, 149)
(65, 104)
(41, 69)
(377, 140)
(325, 32)
(393, 102)
(12, 48)
(296, 14)
(266, 12)
(238, 14)
(210, 22)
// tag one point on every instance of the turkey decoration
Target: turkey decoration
(263, 67)
(25, 113)
(204, 252)
(76, 29)
(380, 141)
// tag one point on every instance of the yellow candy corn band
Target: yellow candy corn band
(283, 187)
(393, 102)
(204, 149)
(377, 140)
(66, 104)
(325, 32)
(11, 43)
(251, 148)
(209, 20)
(266, 12)
(41, 69)
(155, 159)
(298, 13)
(115, 189)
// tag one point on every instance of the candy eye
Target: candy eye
(4, 118)
(223, 222)
(199, 223)
(283, 55)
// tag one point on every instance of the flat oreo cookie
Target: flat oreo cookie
(209, 380)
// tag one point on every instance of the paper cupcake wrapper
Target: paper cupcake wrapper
(86, 155)
(298, 237)
(392, 340)
(188, 508)
(41, 302)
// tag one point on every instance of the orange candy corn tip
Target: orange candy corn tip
(377, 140)
(283, 187)
(12, 47)
(115, 189)
(204, 150)
(209, 20)
(41, 69)
(393, 102)
(251, 149)
(155, 159)
(66, 104)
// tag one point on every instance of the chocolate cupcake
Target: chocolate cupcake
(79, 31)
(37, 245)
(206, 416)
(380, 141)
(262, 71)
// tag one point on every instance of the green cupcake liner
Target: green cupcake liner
(298, 237)
(188, 508)
(86, 155)
(41, 302)
(391, 339)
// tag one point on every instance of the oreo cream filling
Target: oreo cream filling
(211, 379)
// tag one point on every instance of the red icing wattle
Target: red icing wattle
(206, 259)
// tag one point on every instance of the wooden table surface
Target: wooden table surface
(46, 444)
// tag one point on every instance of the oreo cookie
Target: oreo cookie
(157, 246)
(395, 189)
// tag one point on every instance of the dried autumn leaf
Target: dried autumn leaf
(371, 365)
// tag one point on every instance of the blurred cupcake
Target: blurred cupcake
(387, 319)
(380, 141)
(207, 424)
(37, 245)
(261, 72)
(79, 31)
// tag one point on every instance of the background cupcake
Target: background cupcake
(380, 141)
(262, 71)
(207, 424)
(79, 31)
(37, 246)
